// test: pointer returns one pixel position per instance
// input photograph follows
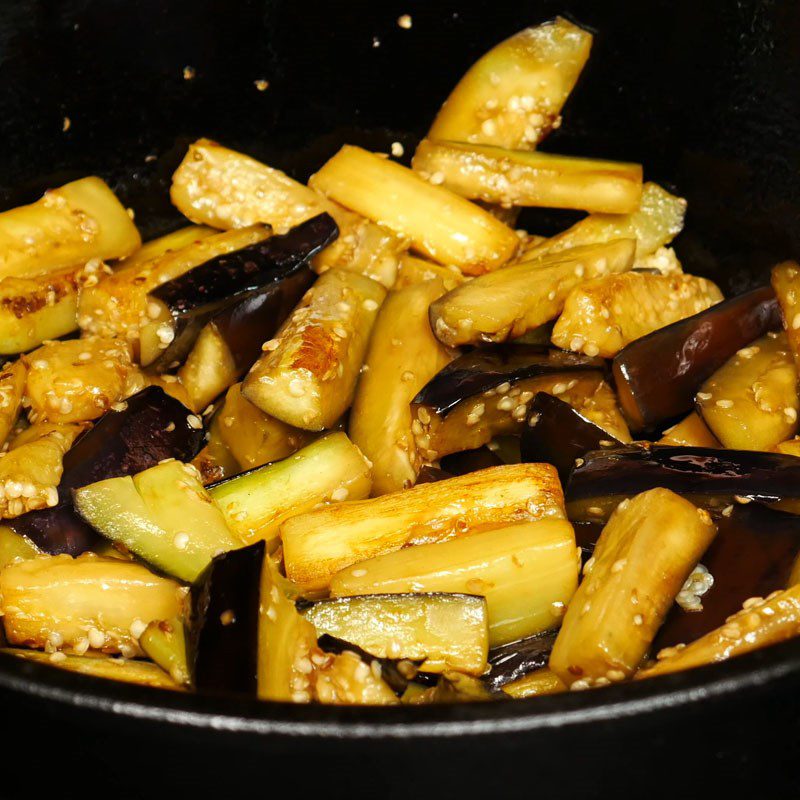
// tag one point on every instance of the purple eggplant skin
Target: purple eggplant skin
(751, 556)
(223, 633)
(467, 461)
(428, 474)
(198, 295)
(514, 660)
(152, 427)
(557, 434)
(709, 477)
(485, 368)
(657, 376)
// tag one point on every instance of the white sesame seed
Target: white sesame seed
(339, 494)
(181, 540)
(96, 638)
(137, 628)
(397, 149)
(296, 388)
(405, 21)
(194, 421)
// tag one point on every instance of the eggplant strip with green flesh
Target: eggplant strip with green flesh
(14, 547)
(403, 355)
(80, 221)
(439, 224)
(601, 316)
(709, 477)
(226, 189)
(507, 303)
(164, 642)
(513, 95)
(182, 306)
(307, 376)
(319, 544)
(658, 375)
(527, 571)
(751, 402)
(646, 551)
(519, 178)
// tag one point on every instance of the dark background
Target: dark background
(704, 93)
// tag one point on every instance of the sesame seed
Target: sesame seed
(638, 619)
(261, 85)
(96, 638)
(358, 573)
(405, 21)
(438, 177)
(194, 421)
(189, 73)
(397, 149)
(137, 628)
(227, 617)
(724, 403)
(370, 304)
(270, 345)
(340, 494)
(58, 658)
(181, 540)
(704, 395)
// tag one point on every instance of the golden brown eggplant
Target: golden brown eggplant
(519, 178)
(441, 225)
(415, 270)
(345, 679)
(319, 544)
(690, 432)
(403, 355)
(307, 375)
(644, 555)
(12, 387)
(507, 303)
(786, 283)
(601, 316)
(535, 684)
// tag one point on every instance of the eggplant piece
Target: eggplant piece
(226, 189)
(319, 544)
(438, 631)
(535, 684)
(141, 673)
(601, 316)
(348, 678)
(416, 270)
(454, 687)
(14, 547)
(439, 224)
(709, 477)
(470, 461)
(519, 178)
(431, 475)
(513, 95)
(512, 661)
(80, 221)
(256, 502)
(507, 303)
(12, 387)
(527, 571)
(658, 220)
(307, 376)
(89, 601)
(558, 434)
(223, 634)
(751, 402)
(646, 551)
(402, 356)
(786, 283)
(151, 427)
(762, 622)
(163, 515)
(751, 556)
(77, 380)
(186, 303)
(691, 432)
(165, 643)
(657, 376)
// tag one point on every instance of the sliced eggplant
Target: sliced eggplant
(526, 571)
(691, 431)
(163, 515)
(165, 643)
(85, 602)
(403, 354)
(709, 477)
(80, 221)
(535, 684)
(12, 387)
(513, 95)
(658, 220)
(348, 679)
(519, 178)
(470, 461)
(558, 434)
(752, 556)
(319, 544)
(507, 303)
(439, 224)
(786, 283)
(182, 306)
(603, 315)
(453, 687)
(223, 634)
(308, 378)
(416, 270)
(256, 502)
(441, 631)
(752, 401)
(14, 547)
(658, 375)
(646, 551)
(226, 189)
(215, 462)
(512, 661)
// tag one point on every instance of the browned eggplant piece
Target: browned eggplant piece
(558, 434)
(153, 426)
(657, 376)
(786, 282)
(514, 660)
(469, 461)
(752, 556)
(691, 431)
(429, 474)
(12, 386)
(191, 300)
(223, 633)
(708, 477)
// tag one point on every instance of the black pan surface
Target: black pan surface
(705, 94)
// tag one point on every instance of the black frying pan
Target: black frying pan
(704, 93)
